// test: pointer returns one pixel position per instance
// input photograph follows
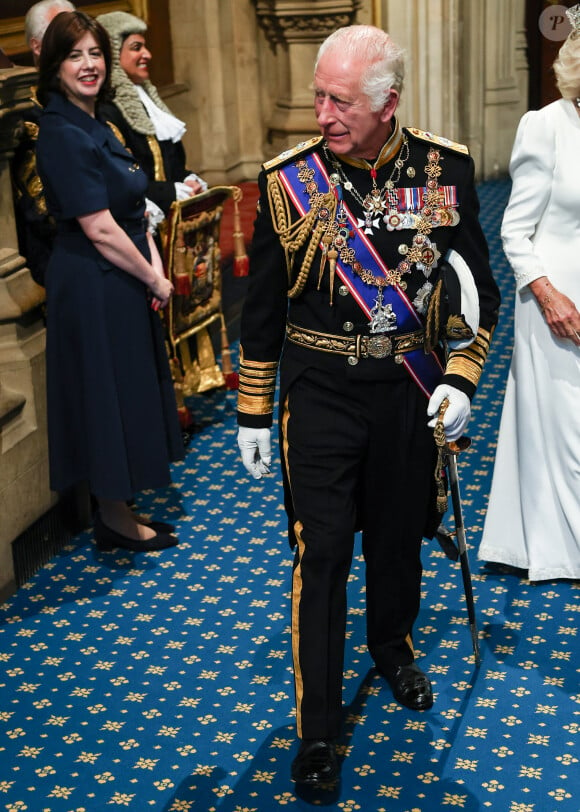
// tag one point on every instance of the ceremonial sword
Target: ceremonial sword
(448, 452)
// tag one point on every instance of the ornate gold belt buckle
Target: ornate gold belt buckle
(379, 346)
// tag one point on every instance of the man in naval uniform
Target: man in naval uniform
(360, 236)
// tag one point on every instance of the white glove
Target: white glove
(183, 191)
(255, 447)
(201, 181)
(154, 216)
(458, 412)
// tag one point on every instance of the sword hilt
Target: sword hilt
(451, 446)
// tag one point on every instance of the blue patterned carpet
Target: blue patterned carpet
(163, 682)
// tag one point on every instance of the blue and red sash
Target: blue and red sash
(426, 370)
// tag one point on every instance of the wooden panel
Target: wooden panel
(18, 8)
(154, 12)
(12, 13)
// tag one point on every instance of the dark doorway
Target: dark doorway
(545, 33)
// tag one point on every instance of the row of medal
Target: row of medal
(378, 206)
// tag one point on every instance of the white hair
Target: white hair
(40, 15)
(567, 67)
(385, 59)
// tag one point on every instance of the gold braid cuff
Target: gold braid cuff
(257, 386)
(294, 235)
(468, 362)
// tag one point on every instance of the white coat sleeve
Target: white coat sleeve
(531, 169)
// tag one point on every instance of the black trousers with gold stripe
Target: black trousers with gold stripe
(356, 456)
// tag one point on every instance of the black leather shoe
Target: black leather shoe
(106, 539)
(411, 687)
(316, 764)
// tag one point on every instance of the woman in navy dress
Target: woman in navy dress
(112, 418)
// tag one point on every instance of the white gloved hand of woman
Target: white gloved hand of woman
(255, 447)
(458, 412)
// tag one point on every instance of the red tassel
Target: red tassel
(231, 377)
(241, 266)
(181, 285)
(232, 380)
(241, 261)
(185, 417)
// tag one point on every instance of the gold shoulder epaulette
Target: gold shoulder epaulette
(423, 135)
(293, 152)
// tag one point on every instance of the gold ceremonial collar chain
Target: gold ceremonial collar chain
(334, 231)
(375, 202)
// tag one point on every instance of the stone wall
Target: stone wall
(24, 491)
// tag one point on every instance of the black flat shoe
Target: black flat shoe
(411, 687)
(160, 527)
(316, 764)
(106, 539)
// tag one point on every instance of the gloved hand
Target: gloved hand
(458, 412)
(255, 447)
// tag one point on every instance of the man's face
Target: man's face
(343, 111)
(134, 58)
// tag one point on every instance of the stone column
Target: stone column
(294, 29)
(466, 72)
(505, 98)
(493, 87)
(430, 32)
(216, 59)
(24, 491)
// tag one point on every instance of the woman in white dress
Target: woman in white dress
(533, 517)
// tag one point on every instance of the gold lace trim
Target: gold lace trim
(468, 362)
(158, 168)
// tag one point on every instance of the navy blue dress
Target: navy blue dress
(112, 417)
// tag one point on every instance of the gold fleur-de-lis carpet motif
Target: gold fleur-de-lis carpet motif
(163, 681)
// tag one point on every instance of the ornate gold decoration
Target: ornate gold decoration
(303, 20)
(439, 140)
(293, 236)
(361, 346)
